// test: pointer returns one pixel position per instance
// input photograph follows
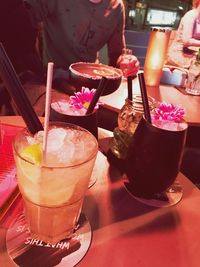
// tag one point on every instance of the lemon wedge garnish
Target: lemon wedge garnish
(33, 153)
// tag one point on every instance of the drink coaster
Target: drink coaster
(28, 252)
(168, 198)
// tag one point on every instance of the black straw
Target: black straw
(129, 83)
(17, 93)
(144, 97)
(98, 93)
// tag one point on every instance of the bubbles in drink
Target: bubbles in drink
(56, 138)
(65, 146)
(170, 125)
(64, 107)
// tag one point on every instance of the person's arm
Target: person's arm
(188, 25)
(115, 49)
(117, 41)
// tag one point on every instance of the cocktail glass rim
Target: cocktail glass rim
(25, 130)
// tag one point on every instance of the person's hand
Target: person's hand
(129, 64)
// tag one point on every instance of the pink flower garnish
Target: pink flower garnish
(168, 112)
(82, 99)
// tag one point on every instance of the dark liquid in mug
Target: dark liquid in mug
(153, 159)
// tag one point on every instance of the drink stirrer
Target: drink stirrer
(47, 107)
(102, 85)
(17, 93)
(144, 97)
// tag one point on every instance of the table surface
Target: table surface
(167, 93)
(129, 233)
(116, 100)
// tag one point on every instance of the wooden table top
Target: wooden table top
(167, 93)
(129, 233)
(116, 100)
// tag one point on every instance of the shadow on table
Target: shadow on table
(116, 204)
(47, 257)
(124, 208)
(162, 223)
(91, 210)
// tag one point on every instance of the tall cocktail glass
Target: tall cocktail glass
(53, 191)
(153, 158)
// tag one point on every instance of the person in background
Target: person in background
(187, 39)
(74, 31)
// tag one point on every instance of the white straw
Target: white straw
(47, 105)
